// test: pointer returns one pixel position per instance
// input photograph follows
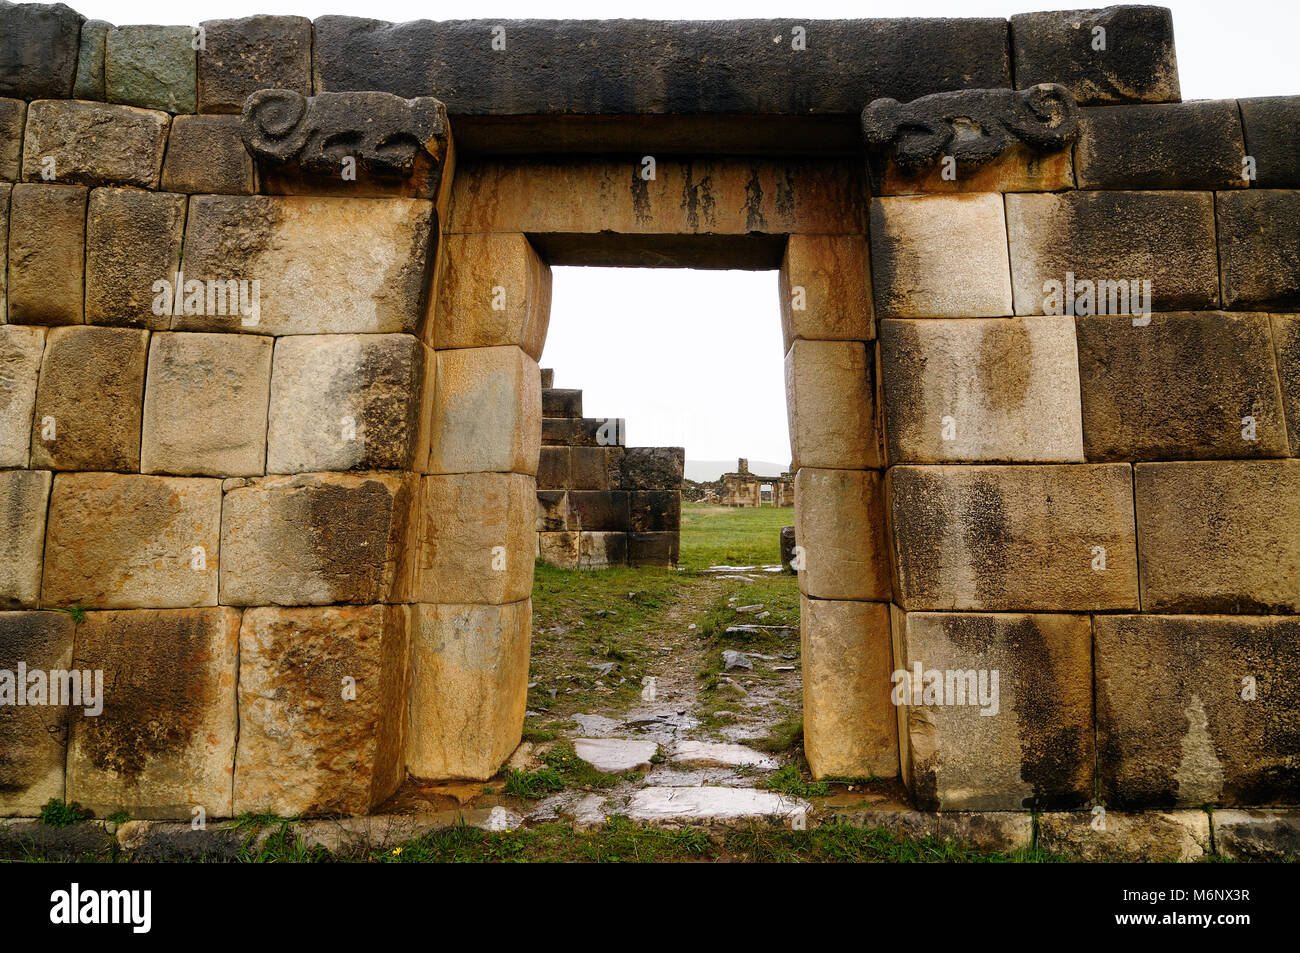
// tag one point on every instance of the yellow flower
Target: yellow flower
(397, 852)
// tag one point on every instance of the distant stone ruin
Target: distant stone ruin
(743, 488)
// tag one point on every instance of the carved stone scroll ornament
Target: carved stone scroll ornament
(384, 135)
(974, 126)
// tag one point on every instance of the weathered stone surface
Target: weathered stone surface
(1000, 389)
(553, 468)
(133, 240)
(591, 66)
(487, 407)
(476, 538)
(13, 118)
(600, 510)
(1198, 385)
(205, 154)
(326, 265)
(712, 804)
(1136, 64)
(652, 549)
(38, 49)
(615, 755)
(1286, 341)
(969, 743)
(825, 283)
(830, 398)
(787, 548)
(594, 432)
(94, 143)
(1020, 168)
(548, 377)
(1150, 836)
(1259, 249)
(88, 399)
(23, 498)
(723, 755)
(20, 363)
(1195, 710)
(916, 271)
(322, 696)
(988, 831)
(1257, 835)
(849, 725)
(87, 842)
(552, 510)
(347, 402)
(33, 738)
(493, 290)
(1219, 536)
(89, 83)
(165, 743)
(1272, 126)
(5, 190)
(558, 431)
(560, 402)
(151, 66)
(596, 468)
(318, 538)
(600, 550)
(159, 841)
(47, 257)
(1162, 240)
(840, 524)
(1196, 145)
(128, 541)
(252, 53)
(652, 468)
(993, 538)
(559, 548)
(655, 511)
(469, 686)
(222, 381)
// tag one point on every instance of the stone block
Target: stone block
(1272, 126)
(1195, 710)
(47, 253)
(830, 397)
(1198, 385)
(205, 154)
(23, 498)
(553, 468)
(1196, 145)
(216, 379)
(1286, 341)
(1137, 63)
(325, 265)
(89, 83)
(133, 240)
(1019, 168)
(1113, 252)
(5, 190)
(655, 511)
(477, 542)
(1268, 836)
(487, 407)
(13, 119)
(88, 399)
(787, 548)
(557, 431)
(849, 725)
(552, 510)
(317, 539)
(126, 541)
(152, 67)
(602, 511)
(493, 290)
(548, 377)
(38, 50)
(322, 698)
(1147, 836)
(593, 431)
(34, 737)
(1259, 249)
(659, 550)
(469, 686)
(1000, 715)
(1219, 536)
(94, 144)
(348, 402)
(258, 52)
(1000, 389)
(557, 402)
(940, 256)
(559, 549)
(652, 468)
(840, 523)
(1007, 538)
(596, 468)
(601, 550)
(20, 364)
(165, 743)
(825, 285)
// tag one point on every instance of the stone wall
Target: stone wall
(743, 488)
(286, 504)
(599, 503)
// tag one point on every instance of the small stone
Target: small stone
(1269, 836)
(725, 755)
(152, 67)
(660, 804)
(615, 755)
(732, 659)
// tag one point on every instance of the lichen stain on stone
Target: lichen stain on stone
(754, 220)
(984, 530)
(1200, 773)
(640, 190)
(698, 200)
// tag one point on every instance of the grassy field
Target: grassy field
(733, 536)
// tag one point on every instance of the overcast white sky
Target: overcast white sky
(693, 358)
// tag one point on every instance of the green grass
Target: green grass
(56, 813)
(732, 536)
(788, 780)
